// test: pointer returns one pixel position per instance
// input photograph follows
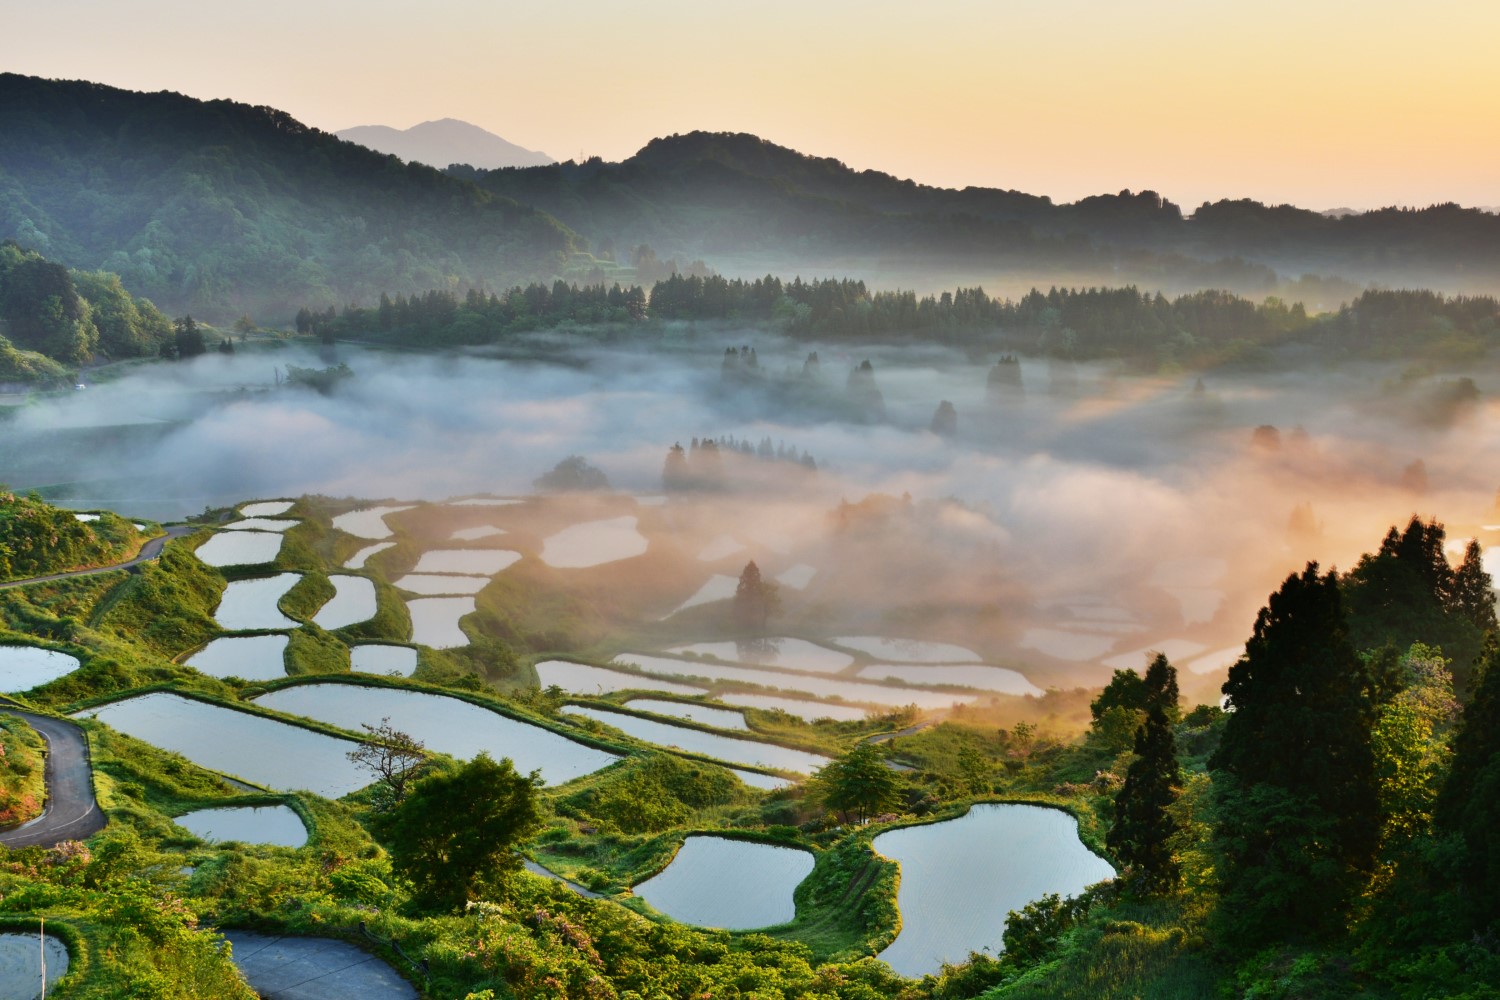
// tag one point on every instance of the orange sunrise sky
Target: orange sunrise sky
(1322, 104)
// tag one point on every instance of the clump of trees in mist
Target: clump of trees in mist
(710, 464)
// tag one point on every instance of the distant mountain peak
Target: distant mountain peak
(445, 141)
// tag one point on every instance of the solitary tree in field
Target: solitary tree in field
(392, 755)
(755, 599)
(455, 835)
(859, 782)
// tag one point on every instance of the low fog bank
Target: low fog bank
(1083, 497)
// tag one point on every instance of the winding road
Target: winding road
(148, 552)
(71, 813)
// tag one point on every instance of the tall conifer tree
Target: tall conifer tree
(1299, 818)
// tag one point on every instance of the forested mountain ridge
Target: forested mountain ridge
(448, 140)
(723, 194)
(222, 208)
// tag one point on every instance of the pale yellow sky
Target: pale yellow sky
(1322, 103)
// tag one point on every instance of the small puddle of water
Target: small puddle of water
(733, 884)
(251, 657)
(25, 667)
(276, 825)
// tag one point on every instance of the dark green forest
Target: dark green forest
(220, 208)
(1200, 329)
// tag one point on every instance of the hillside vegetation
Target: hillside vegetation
(220, 208)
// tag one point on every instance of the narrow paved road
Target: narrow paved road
(71, 813)
(148, 552)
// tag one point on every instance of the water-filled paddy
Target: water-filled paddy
(1219, 659)
(734, 884)
(809, 710)
(580, 678)
(725, 748)
(353, 601)
(720, 548)
(907, 650)
(485, 502)
(250, 657)
(368, 523)
(276, 825)
(434, 621)
(720, 718)
(25, 667)
(1061, 644)
(86, 518)
(21, 959)
(798, 577)
(1136, 659)
(251, 604)
(1001, 679)
(476, 533)
(437, 584)
(446, 724)
(358, 560)
(593, 543)
(768, 782)
(823, 687)
(789, 654)
(263, 751)
(262, 524)
(266, 508)
(480, 562)
(960, 878)
(240, 548)
(379, 658)
(718, 588)
(1199, 604)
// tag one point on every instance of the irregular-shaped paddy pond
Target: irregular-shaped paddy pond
(908, 650)
(825, 687)
(358, 560)
(798, 577)
(726, 748)
(476, 533)
(755, 779)
(262, 524)
(479, 562)
(1137, 659)
(25, 667)
(438, 584)
(718, 588)
(811, 711)
(239, 548)
(1219, 659)
(789, 654)
(353, 601)
(435, 585)
(368, 523)
(593, 543)
(449, 725)
(1001, 679)
(1061, 644)
(434, 621)
(262, 751)
(276, 825)
(720, 718)
(251, 657)
(266, 508)
(379, 658)
(960, 878)
(733, 884)
(720, 548)
(580, 678)
(21, 961)
(252, 604)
